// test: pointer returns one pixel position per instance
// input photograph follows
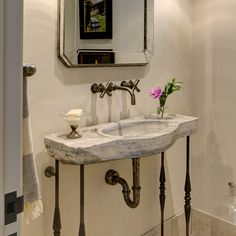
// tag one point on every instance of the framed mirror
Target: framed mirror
(105, 32)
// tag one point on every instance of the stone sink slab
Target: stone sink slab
(131, 138)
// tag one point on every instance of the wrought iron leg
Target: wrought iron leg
(82, 225)
(162, 195)
(57, 217)
(187, 198)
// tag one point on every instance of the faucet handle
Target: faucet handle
(132, 85)
(135, 85)
(100, 88)
(105, 90)
(97, 88)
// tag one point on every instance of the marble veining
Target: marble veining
(131, 138)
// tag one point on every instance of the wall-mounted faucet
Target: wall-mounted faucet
(100, 88)
(130, 87)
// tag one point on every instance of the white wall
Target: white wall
(214, 87)
(55, 89)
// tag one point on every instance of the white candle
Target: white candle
(75, 112)
(73, 116)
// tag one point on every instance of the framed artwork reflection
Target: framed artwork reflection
(96, 57)
(95, 19)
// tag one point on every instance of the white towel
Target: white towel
(33, 205)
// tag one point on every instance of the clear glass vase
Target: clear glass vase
(226, 208)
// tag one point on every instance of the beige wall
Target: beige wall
(214, 57)
(55, 89)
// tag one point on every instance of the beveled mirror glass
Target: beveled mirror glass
(105, 32)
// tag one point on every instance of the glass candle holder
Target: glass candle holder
(73, 119)
(74, 133)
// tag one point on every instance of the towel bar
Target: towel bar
(28, 69)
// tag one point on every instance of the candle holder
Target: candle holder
(74, 133)
(73, 119)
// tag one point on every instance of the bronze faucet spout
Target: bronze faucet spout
(116, 87)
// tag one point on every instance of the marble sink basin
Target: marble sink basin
(132, 129)
(131, 138)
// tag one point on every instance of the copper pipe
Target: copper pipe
(112, 177)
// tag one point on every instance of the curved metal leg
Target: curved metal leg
(162, 195)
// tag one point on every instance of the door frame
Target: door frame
(1, 116)
(11, 104)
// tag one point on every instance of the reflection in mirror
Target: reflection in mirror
(105, 32)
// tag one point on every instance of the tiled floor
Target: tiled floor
(202, 224)
(222, 228)
(206, 225)
(173, 227)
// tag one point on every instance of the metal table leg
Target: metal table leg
(82, 225)
(57, 217)
(51, 171)
(162, 195)
(187, 198)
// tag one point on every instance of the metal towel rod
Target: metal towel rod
(28, 69)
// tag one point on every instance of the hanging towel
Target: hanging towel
(33, 205)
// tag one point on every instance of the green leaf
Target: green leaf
(169, 88)
(172, 87)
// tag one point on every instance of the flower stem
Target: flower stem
(162, 111)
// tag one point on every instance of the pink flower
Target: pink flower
(156, 92)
